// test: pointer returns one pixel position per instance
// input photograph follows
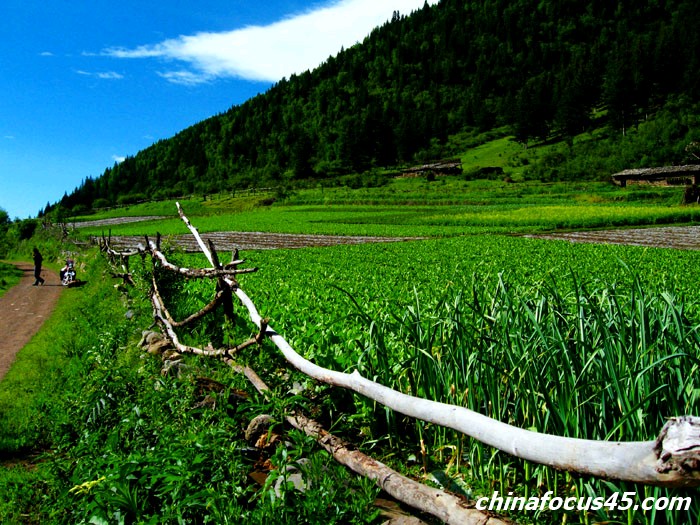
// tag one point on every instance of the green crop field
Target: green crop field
(415, 208)
(598, 342)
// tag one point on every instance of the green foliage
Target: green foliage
(511, 328)
(4, 226)
(657, 141)
(26, 229)
(9, 276)
(122, 443)
(448, 206)
(601, 362)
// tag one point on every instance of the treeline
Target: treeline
(543, 69)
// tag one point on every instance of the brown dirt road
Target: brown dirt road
(23, 309)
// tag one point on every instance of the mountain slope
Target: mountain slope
(543, 69)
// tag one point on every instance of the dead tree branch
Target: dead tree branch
(447, 507)
(163, 317)
(105, 246)
(204, 311)
(198, 273)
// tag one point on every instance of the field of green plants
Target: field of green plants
(596, 342)
(590, 341)
(414, 207)
(585, 341)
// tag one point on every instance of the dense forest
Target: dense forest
(544, 70)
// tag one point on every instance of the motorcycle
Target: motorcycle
(67, 273)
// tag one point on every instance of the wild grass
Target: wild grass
(9, 276)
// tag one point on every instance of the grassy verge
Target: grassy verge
(45, 371)
(9, 276)
(47, 374)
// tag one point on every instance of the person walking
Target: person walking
(38, 259)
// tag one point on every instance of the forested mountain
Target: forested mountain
(543, 68)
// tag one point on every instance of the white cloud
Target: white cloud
(184, 77)
(46, 54)
(118, 159)
(268, 53)
(109, 75)
(104, 75)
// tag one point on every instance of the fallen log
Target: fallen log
(447, 507)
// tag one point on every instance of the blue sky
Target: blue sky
(85, 83)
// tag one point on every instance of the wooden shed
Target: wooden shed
(687, 174)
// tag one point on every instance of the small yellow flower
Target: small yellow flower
(85, 488)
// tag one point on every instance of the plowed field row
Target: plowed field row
(113, 221)
(679, 237)
(228, 241)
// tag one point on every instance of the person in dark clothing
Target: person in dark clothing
(38, 259)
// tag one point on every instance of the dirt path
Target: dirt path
(23, 309)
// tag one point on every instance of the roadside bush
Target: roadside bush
(26, 228)
(131, 198)
(101, 203)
